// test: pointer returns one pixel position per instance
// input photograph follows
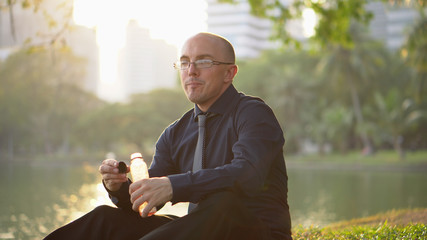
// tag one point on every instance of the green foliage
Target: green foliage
(134, 126)
(40, 99)
(383, 231)
(46, 111)
(341, 97)
(414, 52)
(285, 80)
(334, 17)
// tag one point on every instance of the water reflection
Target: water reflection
(319, 197)
(37, 199)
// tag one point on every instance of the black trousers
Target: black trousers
(219, 216)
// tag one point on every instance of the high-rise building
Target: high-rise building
(248, 34)
(145, 63)
(82, 41)
(391, 24)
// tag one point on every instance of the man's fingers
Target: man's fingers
(147, 209)
(142, 202)
(109, 166)
(111, 177)
(135, 191)
(114, 176)
(154, 191)
(111, 162)
(105, 169)
(137, 202)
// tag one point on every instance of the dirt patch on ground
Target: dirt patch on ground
(392, 218)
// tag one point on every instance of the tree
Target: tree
(350, 72)
(334, 17)
(397, 116)
(57, 16)
(22, 95)
(134, 126)
(151, 112)
(41, 98)
(415, 53)
(286, 81)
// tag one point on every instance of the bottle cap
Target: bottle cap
(135, 155)
(122, 167)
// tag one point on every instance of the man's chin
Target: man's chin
(192, 96)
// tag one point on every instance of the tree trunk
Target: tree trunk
(398, 147)
(12, 21)
(367, 146)
(10, 147)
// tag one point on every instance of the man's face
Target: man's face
(204, 86)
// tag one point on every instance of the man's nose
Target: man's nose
(192, 70)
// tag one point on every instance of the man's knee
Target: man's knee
(104, 211)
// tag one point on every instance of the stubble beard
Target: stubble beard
(194, 93)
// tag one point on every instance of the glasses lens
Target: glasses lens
(203, 63)
(184, 65)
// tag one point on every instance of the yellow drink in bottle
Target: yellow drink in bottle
(138, 171)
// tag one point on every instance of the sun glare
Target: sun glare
(170, 20)
(309, 21)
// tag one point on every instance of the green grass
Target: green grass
(380, 157)
(384, 231)
(395, 224)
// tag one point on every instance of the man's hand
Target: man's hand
(154, 191)
(111, 177)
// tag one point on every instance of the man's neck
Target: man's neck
(205, 107)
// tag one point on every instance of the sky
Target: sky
(171, 20)
(167, 19)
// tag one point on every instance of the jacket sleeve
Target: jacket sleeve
(121, 197)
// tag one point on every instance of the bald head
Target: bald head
(222, 45)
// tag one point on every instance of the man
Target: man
(241, 186)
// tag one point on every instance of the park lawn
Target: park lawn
(395, 224)
(381, 160)
(380, 157)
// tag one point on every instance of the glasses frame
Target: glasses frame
(178, 65)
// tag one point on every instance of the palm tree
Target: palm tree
(349, 71)
(397, 116)
(415, 50)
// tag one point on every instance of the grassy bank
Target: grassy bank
(400, 224)
(387, 156)
(386, 160)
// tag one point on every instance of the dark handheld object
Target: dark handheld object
(122, 167)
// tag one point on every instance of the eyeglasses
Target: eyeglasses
(199, 64)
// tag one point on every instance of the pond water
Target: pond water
(38, 199)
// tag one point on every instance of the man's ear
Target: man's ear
(231, 73)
